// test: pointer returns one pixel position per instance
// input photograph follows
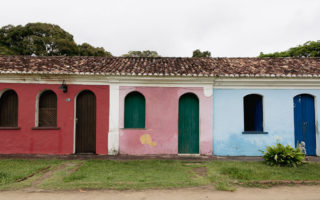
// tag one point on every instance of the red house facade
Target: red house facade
(51, 121)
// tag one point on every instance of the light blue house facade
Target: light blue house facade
(280, 116)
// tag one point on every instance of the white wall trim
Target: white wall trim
(267, 83)
(158, 81)
(208, 91)
(75, 121)
(113, 136)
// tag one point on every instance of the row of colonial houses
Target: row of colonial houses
(157, 106)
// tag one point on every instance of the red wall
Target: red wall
(29, 141)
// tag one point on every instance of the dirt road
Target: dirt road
(278, 193)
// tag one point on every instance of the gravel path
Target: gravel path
(202, 193)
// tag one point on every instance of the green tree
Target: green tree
(308, 49)
(4, 50)
(201, 54)
(86, 49)
(43, 39)
(146, 53)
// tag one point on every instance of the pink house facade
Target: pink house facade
(160, 135)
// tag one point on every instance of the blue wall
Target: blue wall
(228, 120)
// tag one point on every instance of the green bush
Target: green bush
(280, 155)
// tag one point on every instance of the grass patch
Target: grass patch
(12, 170)
(74, 178)
(145, 174)
(227, 174)
(60, 176)
(237, 173)
(134, 174)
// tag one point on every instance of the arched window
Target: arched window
(253, 113)
(9, 109)
(47, 109)
(134, 110)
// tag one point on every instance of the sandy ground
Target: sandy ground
(278, 193)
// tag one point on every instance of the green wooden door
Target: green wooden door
(188, 139)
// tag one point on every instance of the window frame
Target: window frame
(37, 114)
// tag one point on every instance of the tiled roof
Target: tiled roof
(221, 67)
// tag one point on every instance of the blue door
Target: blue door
(304, 122)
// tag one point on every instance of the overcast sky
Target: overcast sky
(227, 28)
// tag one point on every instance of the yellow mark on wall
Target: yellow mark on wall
(146, 139)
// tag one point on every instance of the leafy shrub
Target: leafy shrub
(280, 155)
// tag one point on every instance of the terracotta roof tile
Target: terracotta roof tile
(234, 67)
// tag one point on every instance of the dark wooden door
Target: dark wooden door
(304, 122)
(188, 139)
(86, 122)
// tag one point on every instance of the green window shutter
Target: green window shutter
(134, 110)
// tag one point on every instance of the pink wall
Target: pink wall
(29, 141)
(161, 133)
